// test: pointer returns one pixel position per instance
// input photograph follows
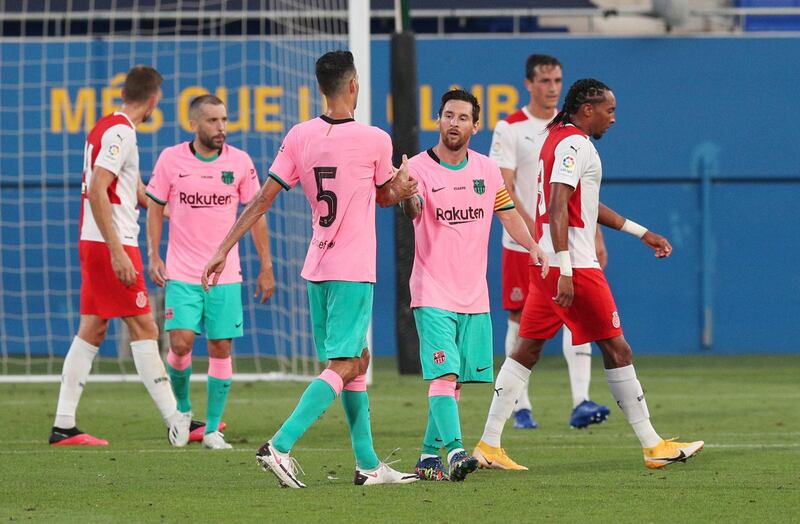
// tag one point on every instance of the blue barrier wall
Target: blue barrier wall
(688, 107)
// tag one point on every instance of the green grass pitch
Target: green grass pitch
(743, 407)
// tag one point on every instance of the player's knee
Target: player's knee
(348, 369)
(94, 335)
(143, 329)
(219, 348)
(617, 352)
(527, 351)
(364, 362)
(93, 332)
(180, 347)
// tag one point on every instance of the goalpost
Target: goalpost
(61, 71)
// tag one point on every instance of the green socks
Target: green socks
(217, 397)
(444, 411)
(180, 387)
(356, 409)
(316, 399)
(431, 441)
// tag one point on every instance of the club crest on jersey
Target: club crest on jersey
(141, 299)
(615, 320)
(227, 177)
(479, 186)
(439, 357)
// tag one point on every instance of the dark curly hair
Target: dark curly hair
(584, 91)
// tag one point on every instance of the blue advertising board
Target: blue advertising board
(722, 108)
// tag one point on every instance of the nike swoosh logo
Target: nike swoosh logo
(680, 457)
(479, 370)
(239, 324)
(182, 176)
(434, 190)
(488, 462)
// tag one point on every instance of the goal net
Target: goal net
(61, 68)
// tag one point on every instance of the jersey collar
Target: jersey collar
(453, 167)
(334, 121)
(118, 113)
(203, 158)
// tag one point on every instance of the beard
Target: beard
(597, 136)
(454, 143)
(208, 141)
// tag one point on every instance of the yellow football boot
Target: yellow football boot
(494, 458)
(669, 451)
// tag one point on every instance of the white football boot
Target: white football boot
(280, 464)
(215, 440)
(179, 429)
(383, 474)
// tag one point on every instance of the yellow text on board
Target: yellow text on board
(260, 108)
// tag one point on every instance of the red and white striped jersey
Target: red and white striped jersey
(111, 144)
(569, 157)
(516, 142)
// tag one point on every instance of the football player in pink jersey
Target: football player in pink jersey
(576, 292)
(344, 168)
(516, 142)
(459, 192)
(203, 181)
(112, 273)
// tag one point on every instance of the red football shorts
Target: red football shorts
(516, 278)
(102, 293)
(592, 315)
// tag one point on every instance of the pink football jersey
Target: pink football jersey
(203, 198)
(338, 163)
(452, 232)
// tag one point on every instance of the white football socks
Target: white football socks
(628, 393)
(512, 337)
(579, 364)
(77, 366)
(151, 371)
(512, 379)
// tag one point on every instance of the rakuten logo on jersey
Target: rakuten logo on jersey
(455, 216)
(199, 200)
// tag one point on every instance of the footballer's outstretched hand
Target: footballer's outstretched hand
(657, 243)
(213, 269)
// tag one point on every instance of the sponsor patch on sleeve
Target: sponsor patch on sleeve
(567, 166)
